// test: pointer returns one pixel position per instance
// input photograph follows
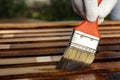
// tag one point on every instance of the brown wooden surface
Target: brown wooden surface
(21, 44)
(50, 24)
(71, 77)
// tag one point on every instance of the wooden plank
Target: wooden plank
(34, 39)
(35, 52)
(53, 30)
(109, 41)
(109, 47)
(35, 35)
(109, 32)
(110, 35)
(31, 52)
(111, 23)
(45, 34)
(103, 55)
(26, 49)
(69, 77)
(38, 59)
(37, 25)
(50, 24)
(35, 30)
(47, 70)
(109, 28)
(49, 38)
(34, 45)
(53, 44)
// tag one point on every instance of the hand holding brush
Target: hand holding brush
(89, 9)
(85, 38)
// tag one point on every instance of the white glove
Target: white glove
(89, 9)
(115, 14)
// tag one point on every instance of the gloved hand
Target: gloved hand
(115, 13)
(89, 9)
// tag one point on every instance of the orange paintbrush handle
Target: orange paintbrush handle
(99, 1)
(89, 27)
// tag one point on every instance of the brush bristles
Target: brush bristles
(74, 59)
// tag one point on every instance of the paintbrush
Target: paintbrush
(82, 47)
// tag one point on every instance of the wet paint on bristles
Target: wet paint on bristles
(74, 59)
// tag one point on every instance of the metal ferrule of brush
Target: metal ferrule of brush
(84, 41)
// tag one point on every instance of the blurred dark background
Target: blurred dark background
(46, 10)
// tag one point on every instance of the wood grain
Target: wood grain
(45, 70)
(39, 59)
(51, 24)
(32, 50)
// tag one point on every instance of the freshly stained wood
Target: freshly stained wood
(104, 55)
(35, 35)
(40, 52)
(39, 59)
(110, 41)
(32, 50)
(53, 30)
(33, 45)
(35, 30)
(51, 24)
(34, 39)
(47, 34)
(109, 47)
(110, 36)
(49, 38)
(71, 77)
(109, 28)
(44, 70)
(109, 32)
(53, 44)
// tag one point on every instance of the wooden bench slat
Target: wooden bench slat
(34, 45)
(69, 77)
(110, 35)
(109, 41)
(34, 52)
(31, 52)
(51, 24)
(95, 67)
(33, 49)
(111, 28)
(50, 38)
(23, 60)
(56, 44)
(35, 35)
(107, 55)
(109, 47)
(65, 33)
(110, 32)
(35, 30)
(35, 39)
(100, 55)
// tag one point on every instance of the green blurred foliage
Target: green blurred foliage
(57, 10)
(12, 8)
